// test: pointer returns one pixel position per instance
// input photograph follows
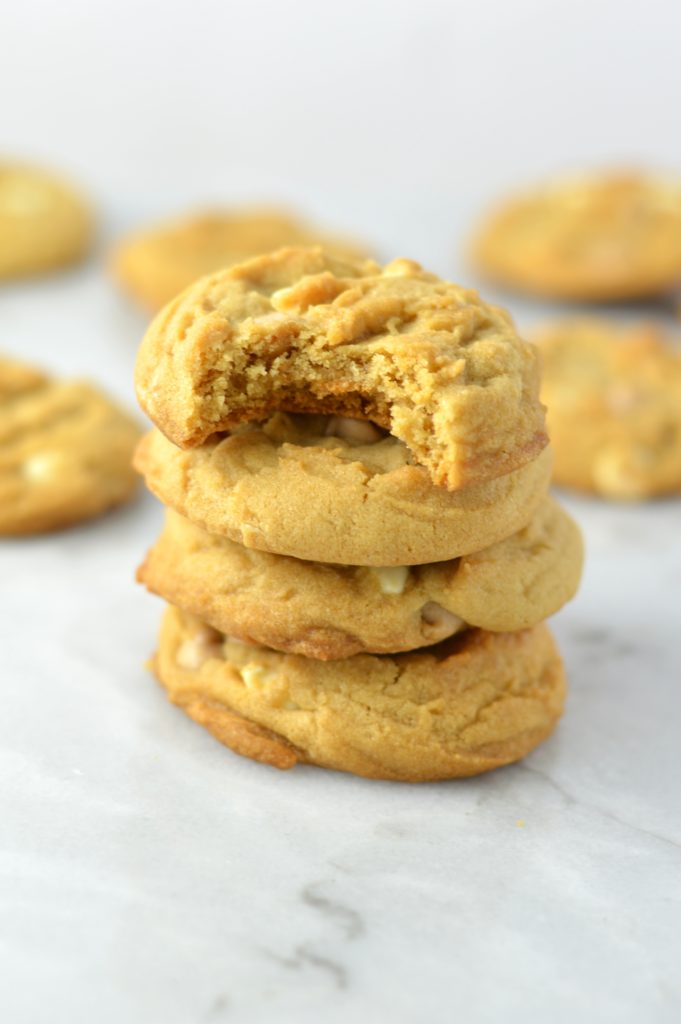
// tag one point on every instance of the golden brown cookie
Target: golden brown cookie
(288, 487)
(18, 379)
(300, 331)
(475, 702)
(44, 223)
(157, 264)
(331, 612)
(599, 237)
(614, 407)
(65, 451)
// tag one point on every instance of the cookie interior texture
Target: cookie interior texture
(300, 331)
(65, 451)
(331, 612)
(156, 264)
(286, 487)
(608, 236)
(471, 704)
(44, 223)
(614, 407)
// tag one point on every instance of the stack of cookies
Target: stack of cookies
(359, 550)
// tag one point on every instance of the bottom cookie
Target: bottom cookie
(470, 704)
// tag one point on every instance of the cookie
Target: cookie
(473, 703)
(65, 451)
(597, 237)
(331, 612)
(44, 223)
(286, 487)
(18, 379)
(614, 407)
(156, 265)
(300, 331)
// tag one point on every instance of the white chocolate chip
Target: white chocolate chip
(354, 431)
(192, 653)
(392, 579)
(400, 268)
(256, 676)
(443, 622)
(42, 467)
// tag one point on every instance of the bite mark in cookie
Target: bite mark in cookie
(300, 331)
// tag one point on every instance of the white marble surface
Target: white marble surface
(148, 874)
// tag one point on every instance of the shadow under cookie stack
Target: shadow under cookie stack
(359, 549)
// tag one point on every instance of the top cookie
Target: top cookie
(597, 237)
(614, 407)
(44, 224)
(155, 265)
(300, 331)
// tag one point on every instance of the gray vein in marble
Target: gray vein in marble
(602, 643)
(306, 954)
(303, 956)
(349, 920)
(573, 801)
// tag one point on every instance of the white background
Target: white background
(146, 873)
(397, 118)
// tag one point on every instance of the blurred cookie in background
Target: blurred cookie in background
(65, 451)
(596, 237)
(613, 394)
(44, 222)
(154, 265)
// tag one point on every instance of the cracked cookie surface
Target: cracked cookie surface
(473, 703)
(65, 451)
(597, 237)
(331, 612)
(287, 487)
(157, 264)
(300, 331)
(614, 407)
(44, 223)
